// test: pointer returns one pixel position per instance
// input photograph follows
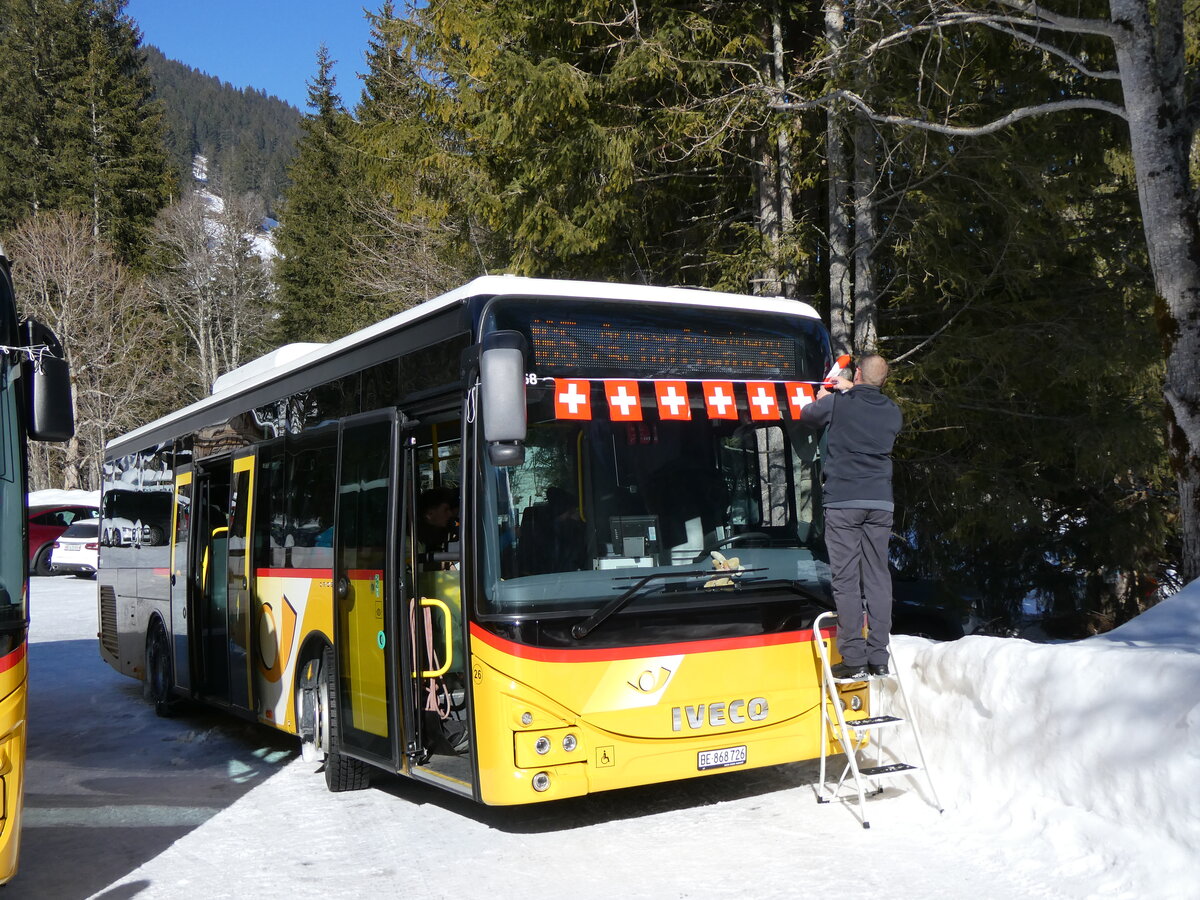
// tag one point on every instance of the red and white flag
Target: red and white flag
(624, 400)
(840, 363)
(572, 398)
(764, 403)
(799, 396)
(673, 402)
(719, 399)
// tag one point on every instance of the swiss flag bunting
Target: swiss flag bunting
(719, 399)
(623, 397)
(624, 400)
(673, 401)
(572, 398)
(764, 404)
(799, 395)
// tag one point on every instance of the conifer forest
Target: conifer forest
(999, 196)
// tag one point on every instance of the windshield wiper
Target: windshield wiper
(615, 605)
(592, 622)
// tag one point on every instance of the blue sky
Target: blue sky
(267, 44)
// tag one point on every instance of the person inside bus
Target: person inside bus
(863, 424)
(437, 519)
(553, 537)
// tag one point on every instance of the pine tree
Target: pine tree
(92, 139)
(315, 236)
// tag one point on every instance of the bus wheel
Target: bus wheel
(312, 724)
(157, 687)
(342, 773)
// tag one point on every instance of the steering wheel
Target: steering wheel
(731, 541)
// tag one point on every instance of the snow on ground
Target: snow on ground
(1090, 748)
(1064, 770)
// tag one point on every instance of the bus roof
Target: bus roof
(294, 357)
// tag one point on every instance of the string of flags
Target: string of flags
(573, 399)
(673, 398)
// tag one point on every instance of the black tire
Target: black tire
(41, 562)
(342, 773)
(159, 676)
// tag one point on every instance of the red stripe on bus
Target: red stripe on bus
(7, 662)
(293, 573)
(543, 654)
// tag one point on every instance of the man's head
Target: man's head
(438, 506)
(872, 370)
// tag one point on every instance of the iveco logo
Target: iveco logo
(735, 712)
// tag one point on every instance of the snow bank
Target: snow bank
(64, 498)
(1092, 746)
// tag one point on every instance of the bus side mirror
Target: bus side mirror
(47, 385)
(502, 394)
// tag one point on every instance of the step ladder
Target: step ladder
(853, 734)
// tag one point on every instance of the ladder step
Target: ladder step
(873, 722)
(890, 769)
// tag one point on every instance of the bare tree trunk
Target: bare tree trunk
(1159, 139)
(866, 217)
(866, 293)
(787, 277)
(841, 317)
(768, 215)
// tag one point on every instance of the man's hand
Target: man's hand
(839, 384)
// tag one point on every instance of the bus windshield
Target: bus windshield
(599, 505)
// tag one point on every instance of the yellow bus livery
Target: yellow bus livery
(529, 540)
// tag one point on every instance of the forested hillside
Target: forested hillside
(958, 185)
(735, 146)
(248, 138)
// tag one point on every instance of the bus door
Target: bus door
(181, 527)
(210, 584)
(436, 687)
(365, 587)
(239, 579)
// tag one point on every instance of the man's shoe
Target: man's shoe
(843, 671)
(879, 671)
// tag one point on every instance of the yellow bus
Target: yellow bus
(35, 403)
(528, 540)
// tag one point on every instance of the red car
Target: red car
(46, 523)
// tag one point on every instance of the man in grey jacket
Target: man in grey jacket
(863, 425)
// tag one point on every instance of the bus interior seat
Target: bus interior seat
(550, 541)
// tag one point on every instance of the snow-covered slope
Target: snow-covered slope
(1092, 747)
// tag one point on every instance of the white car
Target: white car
(77, 550)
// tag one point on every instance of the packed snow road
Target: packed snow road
(122, 804)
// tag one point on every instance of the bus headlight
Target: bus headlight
(541, 782)
(536, 750)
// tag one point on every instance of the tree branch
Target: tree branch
(1073, 24)
(1016, 115)
(1073, 61)
(956, 18)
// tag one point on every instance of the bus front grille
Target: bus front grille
(108, 619)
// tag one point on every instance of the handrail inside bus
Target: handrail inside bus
(449, 636)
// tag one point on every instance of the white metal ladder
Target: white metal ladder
(853, 733)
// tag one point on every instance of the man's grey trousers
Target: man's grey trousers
(858, 559)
